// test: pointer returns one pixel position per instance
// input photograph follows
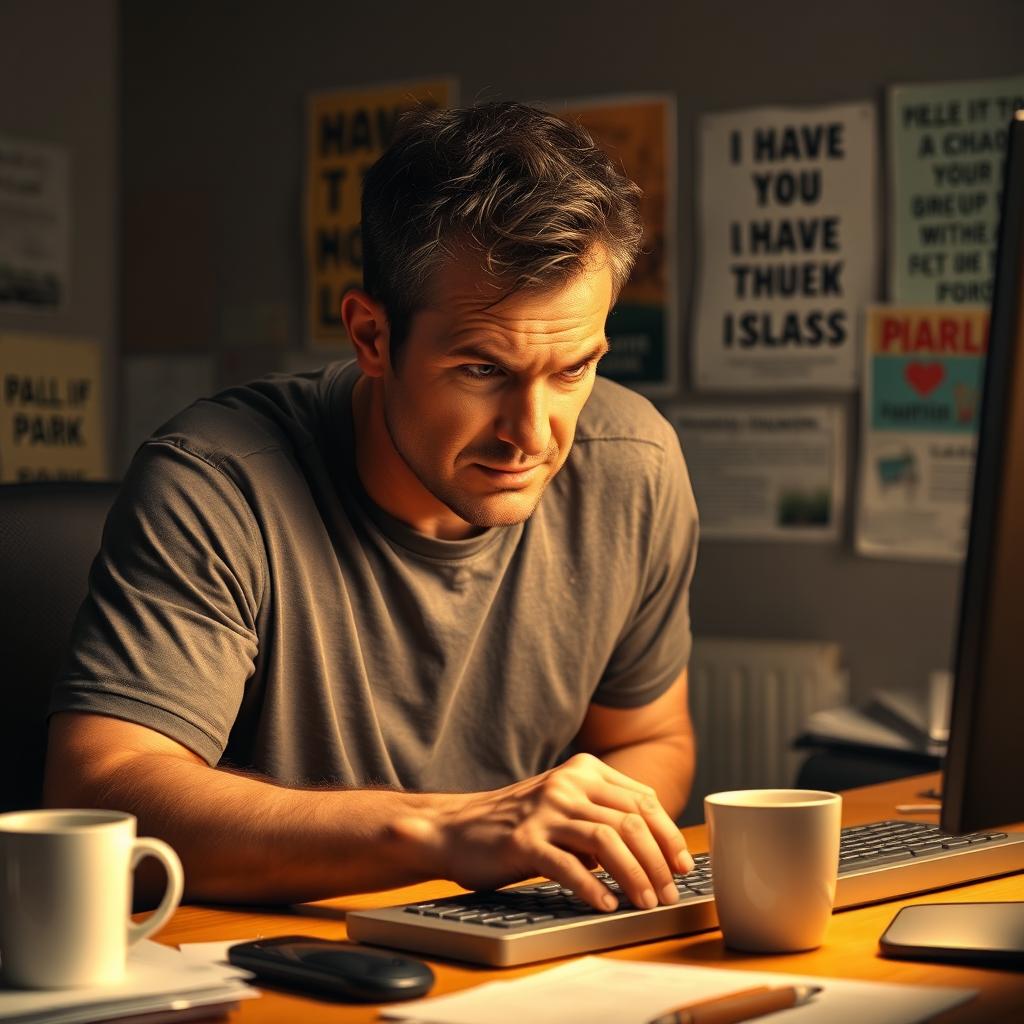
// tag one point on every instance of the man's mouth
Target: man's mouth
(510, 476)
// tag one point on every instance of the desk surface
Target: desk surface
(850, 949)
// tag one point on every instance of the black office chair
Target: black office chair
(49, 534)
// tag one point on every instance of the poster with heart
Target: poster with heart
(923, 374)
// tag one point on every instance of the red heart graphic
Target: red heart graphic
(924, 378)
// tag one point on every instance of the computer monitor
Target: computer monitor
(983, 781)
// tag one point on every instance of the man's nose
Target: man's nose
(524, 422)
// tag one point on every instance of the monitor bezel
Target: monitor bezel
(980, 787)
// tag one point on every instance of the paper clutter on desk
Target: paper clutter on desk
(158, 978)
(604, 990)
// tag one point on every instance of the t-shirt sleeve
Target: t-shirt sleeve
(166, 637)
(654, 647)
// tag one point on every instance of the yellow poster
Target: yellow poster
(639, 133)
(348, 130)
(51, 409)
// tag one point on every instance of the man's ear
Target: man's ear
(367, 326)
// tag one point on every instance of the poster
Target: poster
(51, 409)
(947, 143)
(35, 225)
(348, 130)
(640, 133)
(923, 376)
(154, 388)
(788, 250)
(765, 472)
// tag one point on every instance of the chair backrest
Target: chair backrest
(49, 534)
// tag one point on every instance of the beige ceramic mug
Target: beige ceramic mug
(65, 896)
(774, 862)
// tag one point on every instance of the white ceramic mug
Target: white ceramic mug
(65, 896)
(774, 861)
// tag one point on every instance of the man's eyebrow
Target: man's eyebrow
(476, 350)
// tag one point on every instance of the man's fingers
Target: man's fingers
(635, 831)
(627, 851)
(638, 799)
(565, 867)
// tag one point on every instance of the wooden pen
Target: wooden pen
(740, 1006)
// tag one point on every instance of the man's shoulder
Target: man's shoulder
(279, 412)
(623, 418)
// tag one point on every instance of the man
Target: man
(343, 625)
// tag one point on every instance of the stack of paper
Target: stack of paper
(158, 978)
(602, 990)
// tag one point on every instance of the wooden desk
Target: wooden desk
(850, 949)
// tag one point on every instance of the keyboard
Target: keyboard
(883, 860)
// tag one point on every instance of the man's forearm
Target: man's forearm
(245, 839)
(666, 763)
(242, 839)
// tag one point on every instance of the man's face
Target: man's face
(483, 405)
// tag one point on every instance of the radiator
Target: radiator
(749, 699)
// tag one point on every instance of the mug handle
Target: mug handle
(147, 846)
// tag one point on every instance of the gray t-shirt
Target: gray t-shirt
(251, 602)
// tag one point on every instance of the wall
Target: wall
(59, 85)
(213, 137)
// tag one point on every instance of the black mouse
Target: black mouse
(375, 975)
(350, 972)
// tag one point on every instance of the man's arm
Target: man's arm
(244, 839)
(652, 744)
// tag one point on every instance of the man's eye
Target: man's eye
(576, 372)
(479, 371)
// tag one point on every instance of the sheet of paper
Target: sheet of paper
(35, 225)
(602, 990)
(210, 952)
(153, 970)
(765, 471)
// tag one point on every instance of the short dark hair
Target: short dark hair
(529, 192)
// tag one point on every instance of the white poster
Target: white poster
(947, 144)
(154, 388)
(923, 377)
(765, 472)
(35, 225)
(788, 247)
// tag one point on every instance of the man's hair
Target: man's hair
(526, 192)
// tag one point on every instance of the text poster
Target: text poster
(348, 130)
(765, 472)
(51, 416)
(35, 225)
(947, 144)
(788, 251)
(923, 377)
(638, 132)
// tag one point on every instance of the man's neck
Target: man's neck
(387, 478)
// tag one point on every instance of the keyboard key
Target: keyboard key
(885, 858)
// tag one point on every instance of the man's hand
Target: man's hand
(560, 824)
